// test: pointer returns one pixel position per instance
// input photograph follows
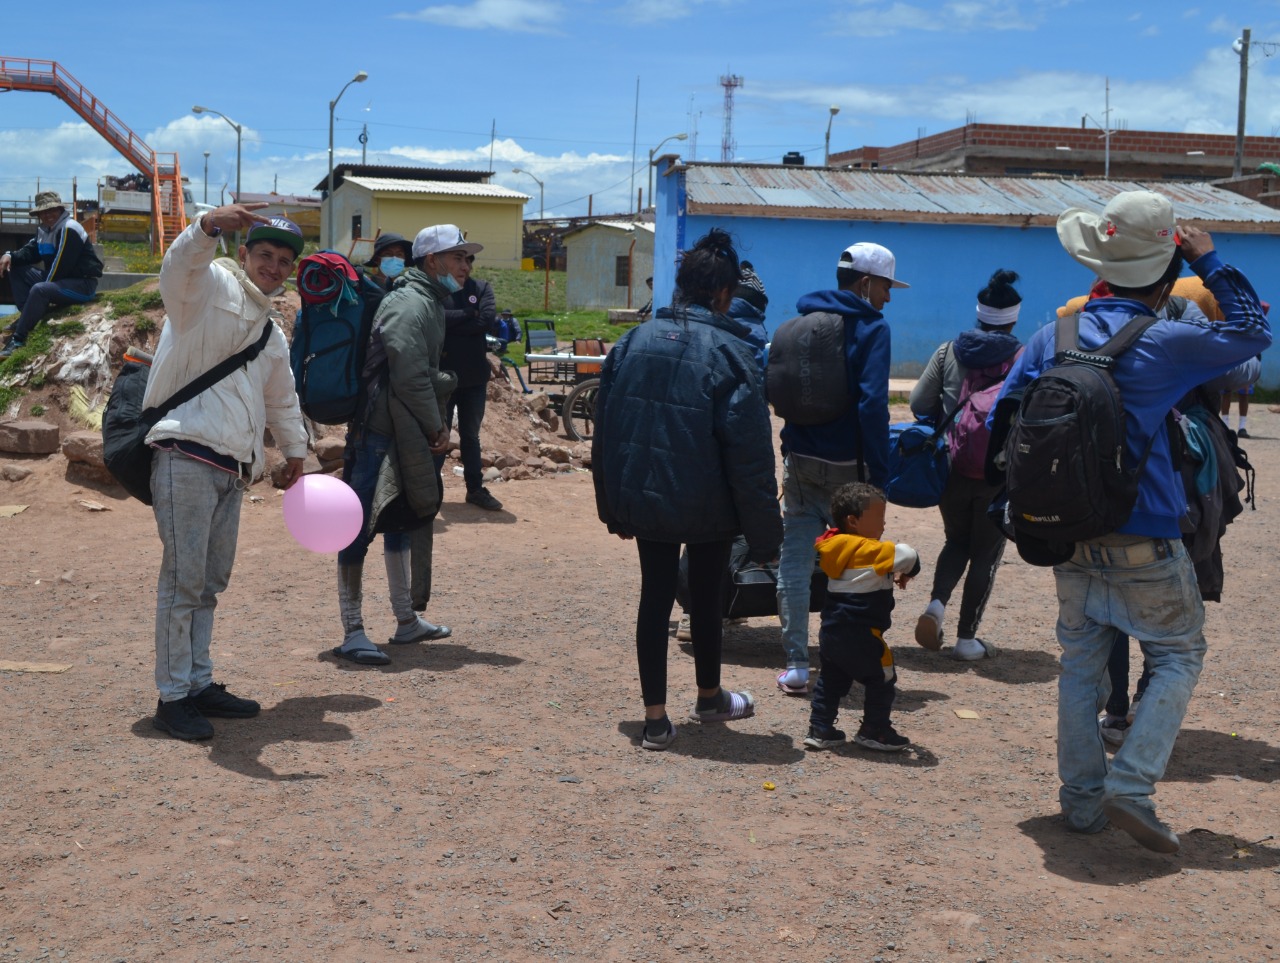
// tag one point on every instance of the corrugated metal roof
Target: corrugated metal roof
(822, 193)
(398, 186)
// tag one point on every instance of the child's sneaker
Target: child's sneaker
(1113, 729)
(683, 632)
(660, 739)
(727, 707)
(882, 740)
(824, 738)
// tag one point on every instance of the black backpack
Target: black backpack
(1067, 476)
(125, 423)
(807, 378)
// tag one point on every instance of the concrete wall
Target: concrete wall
(945, 265)
(591, 268)
(497, 223)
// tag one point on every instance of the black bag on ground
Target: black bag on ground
(1067, 476)
(751, 589)
(125, 422)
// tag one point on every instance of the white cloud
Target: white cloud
(520, 16)
(645, 12)
(876, 18)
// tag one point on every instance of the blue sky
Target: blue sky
(558, 79)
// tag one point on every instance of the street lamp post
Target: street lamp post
(359, 78)
(654, 151)
(239, 134)
(206, 177)
(542, 194)
(826, 149)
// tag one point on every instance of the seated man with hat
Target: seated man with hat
(56, 267)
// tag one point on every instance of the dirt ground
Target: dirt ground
(485, 798)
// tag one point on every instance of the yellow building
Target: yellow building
(369, 199)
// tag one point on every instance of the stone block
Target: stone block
(555, 453)
(84, 447)
(29, 437)
(14, 473)
(330, 449)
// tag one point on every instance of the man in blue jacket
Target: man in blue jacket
(1137, 580)
(818, 459)
(56, 267)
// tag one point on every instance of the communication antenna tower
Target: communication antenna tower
(729, 82)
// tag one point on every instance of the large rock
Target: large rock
(556, 453)
(330, 450)
(14, 473)
(84, 447)
(29, 437)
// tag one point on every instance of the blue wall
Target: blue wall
(945, 265)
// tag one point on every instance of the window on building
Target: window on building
(622, 271)
(357, 222)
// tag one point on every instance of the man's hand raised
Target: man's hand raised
(1195, 242)
(234, 217)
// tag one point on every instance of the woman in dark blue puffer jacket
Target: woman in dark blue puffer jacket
(683, 454)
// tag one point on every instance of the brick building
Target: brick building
(1012, 149)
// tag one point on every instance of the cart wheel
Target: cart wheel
(579, 410)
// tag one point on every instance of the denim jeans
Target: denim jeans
(365, 454)
(469, 404)
(197, 511)
(32, 295)
(807, 487)
(1144, 588)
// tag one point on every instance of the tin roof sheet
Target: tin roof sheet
(395, 185)
(824, 193)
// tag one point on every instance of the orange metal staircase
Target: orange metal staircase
(168, 213)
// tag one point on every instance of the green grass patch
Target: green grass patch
(136, 255)
(132, 300)
(64, 329)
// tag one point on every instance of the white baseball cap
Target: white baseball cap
(867, 258)
(1130, 244)
(440, 238)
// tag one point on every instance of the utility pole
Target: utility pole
(1242, 48)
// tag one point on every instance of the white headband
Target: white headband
(997, 316)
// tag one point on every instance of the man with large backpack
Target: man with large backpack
(828, 378)
(1136, 577)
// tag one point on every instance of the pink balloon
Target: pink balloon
(322, 513)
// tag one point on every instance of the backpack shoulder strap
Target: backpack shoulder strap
(1068, 333)
(210, 378)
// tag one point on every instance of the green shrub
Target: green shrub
(144, 325)
(64, 329)
(37, 411)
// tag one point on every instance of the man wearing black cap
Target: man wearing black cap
(56, 267)
(209, 449)
(468, 316)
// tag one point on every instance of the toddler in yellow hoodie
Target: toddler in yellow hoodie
(861, 571)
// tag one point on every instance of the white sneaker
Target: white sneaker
(683, 632)
(971, 650)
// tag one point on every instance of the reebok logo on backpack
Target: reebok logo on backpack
(807, 378)
(329, 338)
(1067, 476)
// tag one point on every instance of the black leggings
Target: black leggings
(972, 541)
(659, 569)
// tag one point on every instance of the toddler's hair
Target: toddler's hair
(853, 499)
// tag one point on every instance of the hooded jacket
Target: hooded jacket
(683, 448)
(752, 318)
(937, 391)
(862, 433)
(213, 311)
(408, 397)
(1168, 360)
(64, 249)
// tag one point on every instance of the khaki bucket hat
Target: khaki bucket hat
(1130, 244)
(47, 201)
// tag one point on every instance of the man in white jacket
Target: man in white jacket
(209, 449)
